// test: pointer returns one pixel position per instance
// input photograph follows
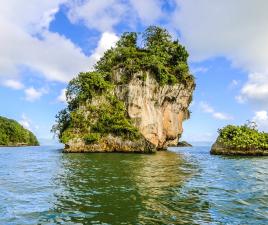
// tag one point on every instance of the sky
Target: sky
(44, 44)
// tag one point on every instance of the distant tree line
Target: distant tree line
(13, 134)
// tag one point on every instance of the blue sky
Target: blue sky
(45, 44)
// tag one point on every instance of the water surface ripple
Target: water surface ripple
(40, 185)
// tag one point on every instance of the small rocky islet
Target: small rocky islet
(12, 134)
(183, 144)
(244, 140)
(135, 99)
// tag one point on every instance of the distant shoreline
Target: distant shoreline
(19, 145)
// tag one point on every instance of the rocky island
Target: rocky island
(183, 144)
(243, 140)
(12, 134)
(134, 100)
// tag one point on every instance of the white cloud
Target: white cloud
(33, 16)
(256, 89)
(13, 84)
(32, 94)
(236, 30)
(52, 55)
(261, 118)
(148, 11)
(26, 41)
(106, 14)
(106, 41)
(205, 107)
(101, 15)
(221, 116)
(62, 96)
(25, 122)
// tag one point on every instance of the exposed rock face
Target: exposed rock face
(158, 111)
(111, 144)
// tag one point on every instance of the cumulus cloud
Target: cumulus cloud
(205, 107)
(26, 41)
(106, 14)
(33, 16)
(101, 15)
(148, 11)
(13, 84)
(261, 119)
(208, 31)
(54, 56)
(237, 30)
(106, 41)
(255, 89)
(32, 94)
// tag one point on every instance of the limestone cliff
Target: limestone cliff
(157, 111)
(135, 100)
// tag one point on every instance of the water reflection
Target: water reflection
(43, 186)
(124, 189)
(161, 182)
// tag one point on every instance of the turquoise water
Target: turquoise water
(40, 185)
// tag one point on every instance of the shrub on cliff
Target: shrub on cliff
(12, 134)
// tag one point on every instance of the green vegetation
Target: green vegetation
(13, 134)
(165, 58)
(107, 118)
(93, 111)
(243, 137)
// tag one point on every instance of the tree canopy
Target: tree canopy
(243, 137)
(158, 53)
(12, 134)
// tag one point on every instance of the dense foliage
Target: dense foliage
(159, 54)
(243, 137)
(12, 134)
(101, 120)
(165, 58)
